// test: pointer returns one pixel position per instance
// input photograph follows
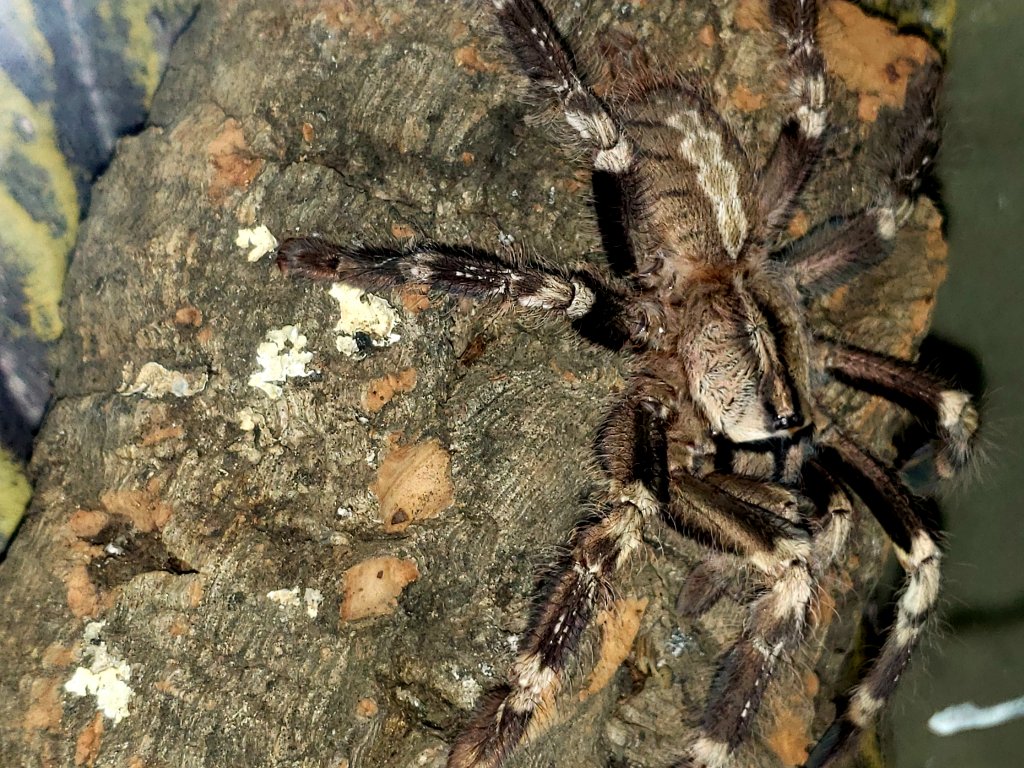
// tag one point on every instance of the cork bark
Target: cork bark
(333, 577)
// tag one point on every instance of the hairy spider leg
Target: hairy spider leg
(547, 59)
(912, 529)
(597, 550)
(925, 396)
(596, 311)
(550, 63)
(837, 251)
(801, 139)
(781, 551)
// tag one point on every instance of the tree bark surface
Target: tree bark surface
(418, 491)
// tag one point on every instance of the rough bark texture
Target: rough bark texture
(170, 522)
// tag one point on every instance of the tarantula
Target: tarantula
(720, 433)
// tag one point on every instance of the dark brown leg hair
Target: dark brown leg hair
(597, 550)
(597, 312)
(927, 397)
(832, 520)
(800, 142)
(704, 510)
(836, 252)
(911, 526)
(545, 57)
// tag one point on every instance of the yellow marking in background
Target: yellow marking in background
(31, 246)
(14, 495)
(139, 52)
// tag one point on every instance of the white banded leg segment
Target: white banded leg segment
(800, 141)
(913, 608)
(545, 57)
(618, 159)
(776, 624)
(951, 411)
(516, 711)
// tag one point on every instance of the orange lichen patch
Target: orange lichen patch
(380, 391)
(44, 709)
(746, 99)
(868, 107)
(372, 587)
(751, 14)
(619, 624)
(870, 56)
(232, 165)
(467, 158)
(413, 484)
(82, 595)
(57, 655)
(468, 57)
(143, 507)
(415, 298)
(179, 627)
(86, 523)
(357, 19)
(402, 231)
(195, 592)
(788, 737)
(366, 708)
(812, 684)
(823, 608)
(162, 434)
(707, 36)
(308, 134)
(87, 748)
(188, 315)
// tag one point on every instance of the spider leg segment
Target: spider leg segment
(597, 550)
(801, 139)
(550, 64)
(545, 57)
(777, 618)
(927, 397)
(909, 525)
(837, 251)
(597, 311)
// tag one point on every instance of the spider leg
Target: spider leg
(777, 618)
(546, 58)
(836, 252)
(800, 141)
(597, 550)
(597, 312)
(923, 395)
(908, 524)
(832, 520)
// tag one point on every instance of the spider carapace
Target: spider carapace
(712, 304)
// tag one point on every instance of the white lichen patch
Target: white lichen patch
(290, 598)
(259, 240)
(365, 319)
(312, 598)
(280, 357)
(154, 381)
(286, 598)
(106, 677)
